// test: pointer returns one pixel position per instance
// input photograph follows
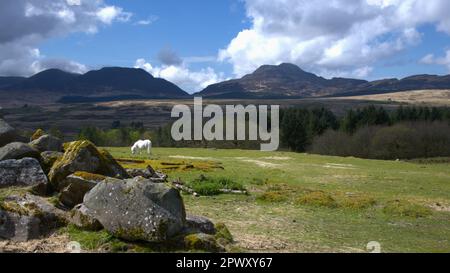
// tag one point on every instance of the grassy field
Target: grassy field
(309, 203)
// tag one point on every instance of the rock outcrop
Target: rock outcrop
(8, 134)
(18, 150)
(47, 143)
(84, 156)
(137, 209)
(83, 219)
(49, 158)
(22, 173)
(73, 188)
(28, 217)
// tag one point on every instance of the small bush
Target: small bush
(405, 208)
(214, 186)
(317, 198)
(357, 202)
(272, 196)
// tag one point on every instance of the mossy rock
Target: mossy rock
(25, 217)
(84, 156)
(37, 134)
(223, 234)
(202, 242)
(48, 159)
(90, 176)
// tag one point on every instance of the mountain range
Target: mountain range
(109, 83)
(290, 81)
(267, 82)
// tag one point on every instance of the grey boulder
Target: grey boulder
(47, 143)
(25, 172)
(28, 217)
(8, 134)
(199, 224)
(81, 217)
(137, 209)
(18, 150)
(73, 189)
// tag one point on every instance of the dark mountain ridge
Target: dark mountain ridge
(108, 82)
(290, 81)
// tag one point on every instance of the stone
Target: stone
(28, 217)
(8, 134)
(74, 187)
(137, 209)
(84, 156)
(18, 150)
(202, 241)
(148, 173)
(83, 219)
(199, 224)
(37, 134)
(48, 158)
(47, 143)
(25, 172)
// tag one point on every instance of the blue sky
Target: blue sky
(197, 43)
(190, 28)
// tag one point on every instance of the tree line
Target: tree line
(368, 132)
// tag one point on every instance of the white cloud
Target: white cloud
(150, 20)
(25, 24)
(182, 76)
(432, 60)
(341, 37)
(109, 14)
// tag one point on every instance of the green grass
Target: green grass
(271, 219)
(213, 186)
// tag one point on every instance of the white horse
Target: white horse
(141, 145)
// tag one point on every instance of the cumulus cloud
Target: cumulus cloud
(181, 75)
(433, 60)
(25, 24)
(341, 37)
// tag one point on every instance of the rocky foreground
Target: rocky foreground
(58, 184)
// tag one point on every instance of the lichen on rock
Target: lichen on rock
(84, 156)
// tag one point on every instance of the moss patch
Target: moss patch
(90, 176)
(317, 198)
(357, 202)
(272, 197)
(406, 208)
(170, 165)
(223, 234)
(37, 134)
(77, 157)
(202, 242)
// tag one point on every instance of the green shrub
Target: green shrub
(272, 196)
(317, 198)
(406, 208)
(214, 186)
(357, 202)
